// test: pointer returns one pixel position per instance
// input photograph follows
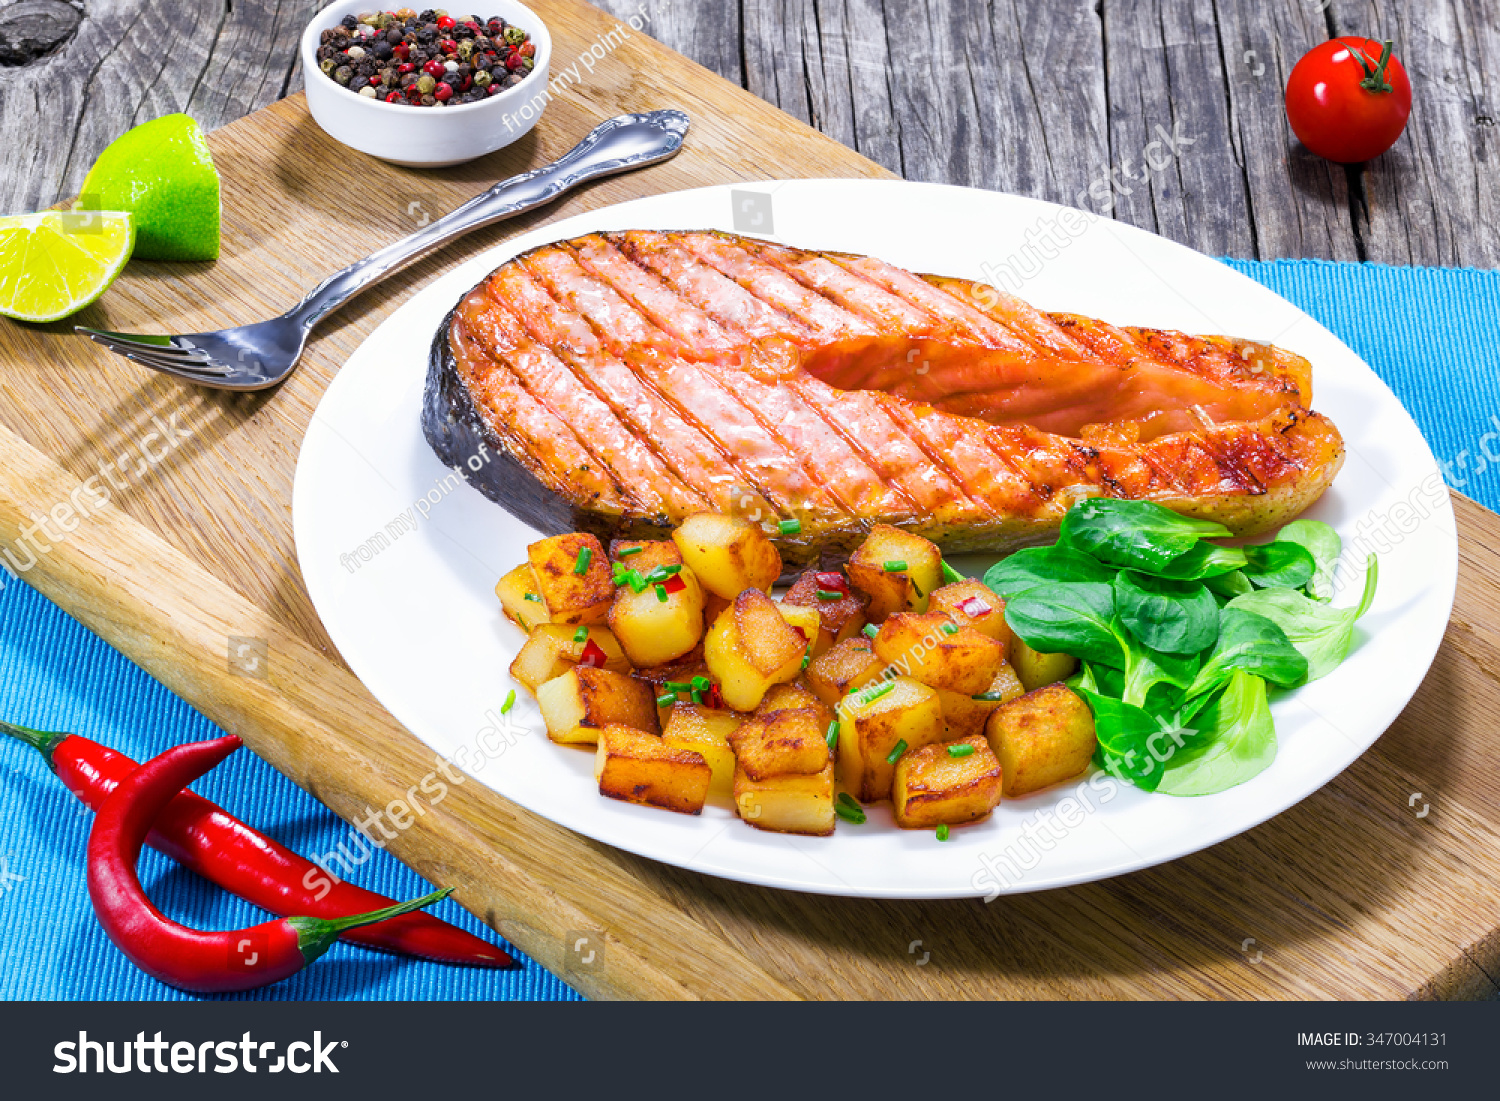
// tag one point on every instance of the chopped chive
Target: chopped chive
(832, 737)
(510, 701)
(942, 831)
(912, 581)
(806, 659)
(950, 628)
(533, 598)
(850, 802)
(636, 582)
(676, 685)
(666, 700)
(951, 575)
(990, 697)
(661, 573)
(790, 527)
(871, 630)
(896, 753)
(581, 566)
(854, 818)
(626, 552)
(826, 595)
(960, 750)
(581, 635)
(701, 683)
(661, 593)
(895, 565)
(870, 695)
(696, 695)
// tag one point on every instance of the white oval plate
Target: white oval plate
(412, 610)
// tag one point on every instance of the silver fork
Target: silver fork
(258, 356)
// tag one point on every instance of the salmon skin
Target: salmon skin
(618, 382)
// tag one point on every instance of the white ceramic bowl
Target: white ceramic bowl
(426, 137)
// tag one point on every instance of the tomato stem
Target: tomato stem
(1374, 80)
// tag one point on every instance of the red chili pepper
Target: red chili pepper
(830, 580)
(674, 584)
(213, 843)
(593, 654)
(715, 697)
(210, 963)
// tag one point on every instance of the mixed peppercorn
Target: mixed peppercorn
(427, 58)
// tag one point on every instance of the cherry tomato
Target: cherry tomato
(1348, 99)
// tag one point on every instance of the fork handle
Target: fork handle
(616, 145)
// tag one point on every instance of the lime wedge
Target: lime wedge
(55, 263)
(161, 172)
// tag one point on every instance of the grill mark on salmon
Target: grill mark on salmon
(553, 383)
(626, 379)
(693, 455)
(857, 414)
(827, 455)
(762, 453)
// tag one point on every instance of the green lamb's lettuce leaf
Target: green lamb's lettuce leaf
(1069, 618)
(1279, 565)
(1126, 734)
(1148, 673)
(1176, 617)
(1324, 544)
(1204, 561)
(1229, 585)
(1138, 535)
(1252, 643)
(1033, 566)
(1322, 634)
(1235, 740)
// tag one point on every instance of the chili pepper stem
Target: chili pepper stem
(43, 741)
(315, 936)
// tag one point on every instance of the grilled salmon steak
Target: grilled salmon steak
(618, 382)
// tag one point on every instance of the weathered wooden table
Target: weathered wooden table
(1036, 97)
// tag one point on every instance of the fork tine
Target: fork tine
(149, 353)
(194, 371)
(124, 341)
(175, 372)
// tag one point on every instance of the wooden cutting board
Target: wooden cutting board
(1380, 885)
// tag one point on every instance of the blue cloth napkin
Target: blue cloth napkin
(1432, 334)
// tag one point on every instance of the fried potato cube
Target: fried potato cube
(519, 600)
(706, 730)
(729, 554)
(897, 570)
(1042, 738)
(964, 714)
(974, 604)
(638, 767)
(654, 631)
(1037, 669)
(938, 652)
(791, 803)
(644, 555)
(749, 648)
(714, 605)
(794, 697)
(780, 743)
(841, 610)
(874, 722)
(848, 665)
(932, 787)
(584, 700)
(683, 671)
(573, 577)
(553, 649)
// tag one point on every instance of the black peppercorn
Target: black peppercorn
(349, 22)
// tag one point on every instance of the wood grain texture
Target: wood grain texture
(1347, 895)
